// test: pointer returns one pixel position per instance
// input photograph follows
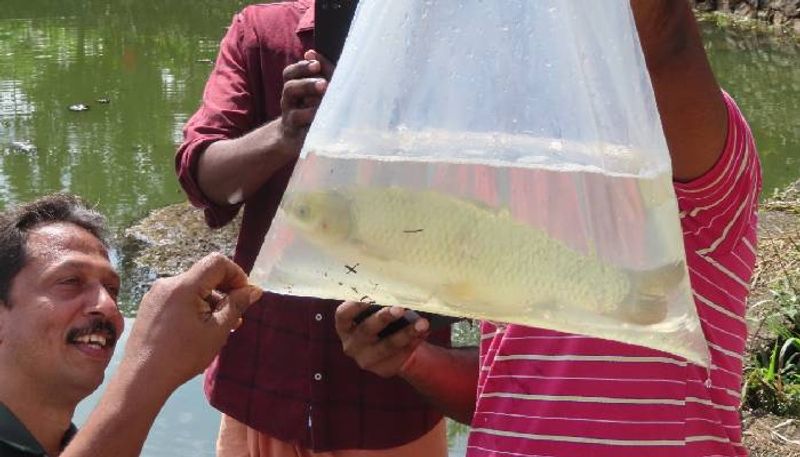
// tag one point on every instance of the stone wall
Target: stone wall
(784, 13)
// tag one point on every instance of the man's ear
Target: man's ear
(3, 317)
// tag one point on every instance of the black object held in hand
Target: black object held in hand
(436, 321)
(332, 20)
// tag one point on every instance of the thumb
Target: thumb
(237, 301)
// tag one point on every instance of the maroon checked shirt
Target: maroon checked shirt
(283, 372)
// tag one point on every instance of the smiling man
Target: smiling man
(59, 323)
(59, 320)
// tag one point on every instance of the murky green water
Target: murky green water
(763, 75)
(149, 59)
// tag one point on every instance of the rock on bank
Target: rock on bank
(782, 13)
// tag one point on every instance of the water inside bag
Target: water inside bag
(574, 249)
(502, 163)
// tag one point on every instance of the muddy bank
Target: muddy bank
(783, 14)
(174, 237)
(167, 242)
(767, 435)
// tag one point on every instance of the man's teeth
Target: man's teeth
(97, 340)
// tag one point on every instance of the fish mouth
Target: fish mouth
(322, 216)
(290, 205)
(99, 334)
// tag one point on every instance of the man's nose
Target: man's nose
(103, 302)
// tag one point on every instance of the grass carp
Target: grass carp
(471, 256)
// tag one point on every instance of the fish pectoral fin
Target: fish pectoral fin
(646, 310)
(371, 250)
(647, 303)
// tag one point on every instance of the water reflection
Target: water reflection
(148, 59)
(762, 73)
(187, 425)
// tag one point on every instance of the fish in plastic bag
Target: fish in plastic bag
(471, 257)
(505, 164)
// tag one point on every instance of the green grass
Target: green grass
(772, 375)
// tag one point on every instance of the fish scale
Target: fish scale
(446, 254)
(470, 255)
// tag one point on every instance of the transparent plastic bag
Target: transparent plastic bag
(501, 161)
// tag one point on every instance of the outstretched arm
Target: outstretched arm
(690, 102)
(176, 335)
(447, 377)
(231, 170)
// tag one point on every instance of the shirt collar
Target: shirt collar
(14, 433)
(307, 19)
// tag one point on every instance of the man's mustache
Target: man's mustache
(97, 325)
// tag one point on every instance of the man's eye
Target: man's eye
(71, 281)
(113, 290)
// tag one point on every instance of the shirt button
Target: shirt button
(318, 317)
(318, 376)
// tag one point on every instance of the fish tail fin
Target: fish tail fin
(647, 302)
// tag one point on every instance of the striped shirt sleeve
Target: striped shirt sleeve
(717, 208)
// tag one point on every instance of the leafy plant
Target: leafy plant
(772, 379)
(774, 386)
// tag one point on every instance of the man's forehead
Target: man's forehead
(53, 241)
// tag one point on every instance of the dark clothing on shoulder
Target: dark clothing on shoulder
(17, 441)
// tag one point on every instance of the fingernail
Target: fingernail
(421, 325)
(396, 311)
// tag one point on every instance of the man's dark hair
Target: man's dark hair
(17, 222)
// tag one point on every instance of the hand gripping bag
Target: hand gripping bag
(494, 160)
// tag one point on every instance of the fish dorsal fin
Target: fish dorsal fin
(481, 205)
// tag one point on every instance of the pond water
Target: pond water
(149, 60)
(140, 66)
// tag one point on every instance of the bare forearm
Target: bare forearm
(229, 171)
(120, 423)
(448, 378)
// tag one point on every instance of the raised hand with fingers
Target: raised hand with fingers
(305, 82)
(185, 320)
(387, 356)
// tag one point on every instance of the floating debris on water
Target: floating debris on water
(24, 146)
(78, 107)
(204, 61)
(103, 101)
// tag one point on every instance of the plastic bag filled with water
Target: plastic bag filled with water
(494, 160)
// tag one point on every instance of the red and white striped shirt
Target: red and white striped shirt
(548, 394)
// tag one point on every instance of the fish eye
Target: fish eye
(303, 211)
